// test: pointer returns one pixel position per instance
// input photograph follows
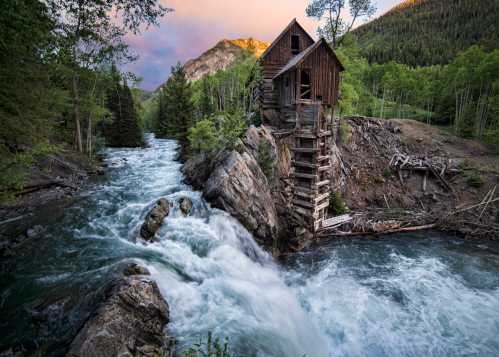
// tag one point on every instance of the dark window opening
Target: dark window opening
(319, 98)
(295, 44)
(286, 83)
(305, 85)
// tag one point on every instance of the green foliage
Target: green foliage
(210, 348)
(232, 127)
(203, 137)
(337, 205)
(345, 132)
(124, 129)
(474, 179)
(430, 32)
(229, 90)
(54, 59)
(464, 93)
(330, 13)
(176, 107)
(266, 160)
(387, 173)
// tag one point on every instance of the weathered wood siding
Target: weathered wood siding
(281, 51)
(325, 75)
(273, 61)
(287, 89)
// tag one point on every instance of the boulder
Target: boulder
(185, 205)
(154, 219)
(135, 269)
(235, 181)
(130, 322)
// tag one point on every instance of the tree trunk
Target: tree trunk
(76, 113)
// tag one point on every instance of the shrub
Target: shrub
(203, 136)
(266, 160)
(387, 173)
(474, 179)
(337, 205)
(345, 132)
(232, 127)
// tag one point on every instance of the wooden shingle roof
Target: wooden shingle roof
(299, 58)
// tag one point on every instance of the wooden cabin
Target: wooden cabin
(293, 40)
(296, 68)
(301, 80)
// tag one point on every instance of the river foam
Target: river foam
(410, 295)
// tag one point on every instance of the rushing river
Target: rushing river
(410, 295)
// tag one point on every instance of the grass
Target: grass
(345, 132)
(474, 179)
(337, 205)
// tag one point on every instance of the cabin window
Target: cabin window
(286, 82)
(295, 44)
(305, 85)
(318, 98)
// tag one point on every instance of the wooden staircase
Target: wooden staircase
(311, 164)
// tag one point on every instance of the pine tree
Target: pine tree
(124, 130)
(176, 107)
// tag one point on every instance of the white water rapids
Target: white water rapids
(396, 296)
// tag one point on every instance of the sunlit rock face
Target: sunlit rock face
(221, 56)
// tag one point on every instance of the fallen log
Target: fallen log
(388, 231)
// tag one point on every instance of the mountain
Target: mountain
(222, 56)
(427, 32)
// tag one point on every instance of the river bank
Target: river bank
(51, 184)
(324, 301)
(380, 193)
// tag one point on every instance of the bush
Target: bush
(387, 173)
(345, 132)
(203, 136)
(474, 179)
(337, 205)
(232, 127)
(265, 159)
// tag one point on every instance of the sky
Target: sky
(197, 25)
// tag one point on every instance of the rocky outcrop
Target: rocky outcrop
(154, 219)
(185, 205)
(130, 322)
(235, 181)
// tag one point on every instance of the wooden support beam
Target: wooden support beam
(305, 150)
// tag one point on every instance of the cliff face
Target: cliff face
(221, 56)
(238, 182)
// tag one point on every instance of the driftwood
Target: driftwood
(437, 166)
(470, 220)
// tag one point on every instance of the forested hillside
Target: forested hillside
(427, 32)
(60, 86)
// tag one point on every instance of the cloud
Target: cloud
(197, 25)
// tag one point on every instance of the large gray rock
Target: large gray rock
(154, 219)
(130, 322)
(185, 205)
(234, 181)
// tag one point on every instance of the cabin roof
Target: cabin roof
(296, 60)
(294, 21)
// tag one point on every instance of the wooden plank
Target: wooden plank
(336, 221)
(305, 176)
(323, 183)
(305, 164)
(305, 150)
